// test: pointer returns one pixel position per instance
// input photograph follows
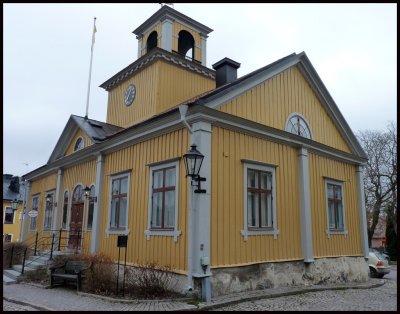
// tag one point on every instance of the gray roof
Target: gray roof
(97, 131)
(10, 195)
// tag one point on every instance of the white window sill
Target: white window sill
(167, 233)
(343, 232)
(121, 232)
(245, 233)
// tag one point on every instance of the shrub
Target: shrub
(18, 249)
(149, 281)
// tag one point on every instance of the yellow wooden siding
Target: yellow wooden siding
(86, 139)
(184, 85)
(155, 92)
(40, 188)
(14, 227)
(144, 104)
(336, 245)
(228, 247)
(272, 101)
(160, 249)
(177, 27)
(158, 29)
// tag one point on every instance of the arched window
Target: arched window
(152, 41)
(77, 196)
(186, 44)
(79, 144)
(297, 124)
(65, 211)
(90, 208)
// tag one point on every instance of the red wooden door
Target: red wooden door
(75, 226)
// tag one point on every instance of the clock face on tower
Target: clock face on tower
(130, 94)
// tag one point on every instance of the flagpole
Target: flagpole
(90, 69)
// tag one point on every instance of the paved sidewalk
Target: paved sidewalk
(61, 299)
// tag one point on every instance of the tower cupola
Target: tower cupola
(174, 32)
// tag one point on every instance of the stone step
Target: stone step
(8, 280)
(35, 264)
(39, 259)
(12, 274)
(18, 268)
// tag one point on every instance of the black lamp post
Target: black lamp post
(193, 160)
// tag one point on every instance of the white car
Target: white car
(378, 264)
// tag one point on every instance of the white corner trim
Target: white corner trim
(274, 230)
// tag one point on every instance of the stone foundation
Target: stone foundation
(272, 275)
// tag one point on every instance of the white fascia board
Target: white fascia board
(65, 139)
(250, 127)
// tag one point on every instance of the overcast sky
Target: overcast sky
(46, 55)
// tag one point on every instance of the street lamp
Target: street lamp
(193, 160)
(49, 200)
(14, 204)
(87, 193)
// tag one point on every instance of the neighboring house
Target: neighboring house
(379, 237)
(13, 191)
(284, 197)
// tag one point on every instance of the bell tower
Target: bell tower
(174, 32)
(170, 69)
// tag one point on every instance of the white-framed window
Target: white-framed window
(79, 144)
(335, 209)
(35, 207)
(298, 125)
(163, 200)
(65, 211)
(259, 200)
(119, 201)
(89, 220)
(9, 215)
(48, 211)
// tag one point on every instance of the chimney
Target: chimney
(226, 71)
(14, 184)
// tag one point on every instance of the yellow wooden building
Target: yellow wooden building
(13, 206)
(284, 197)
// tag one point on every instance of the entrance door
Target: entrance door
(75, 226)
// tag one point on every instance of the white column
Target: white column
(96, 226)
(166, 34)
(140, 40)
(24, 223)
(200, 213)
(362, 212)
(305, 206)
(56, 220)
(203, 49)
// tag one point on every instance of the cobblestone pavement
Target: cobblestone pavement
(11, 306)
(66, 299)
(383, 298)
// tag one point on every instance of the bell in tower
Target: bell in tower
(174, 32)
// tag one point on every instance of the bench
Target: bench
(69, 271)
